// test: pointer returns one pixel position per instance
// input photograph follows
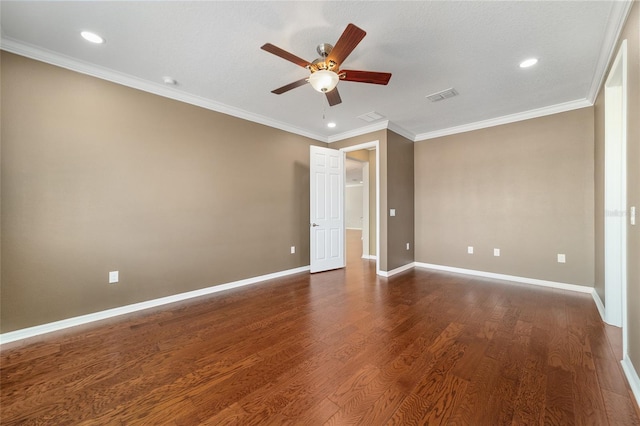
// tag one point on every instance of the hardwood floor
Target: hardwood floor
(341, 347)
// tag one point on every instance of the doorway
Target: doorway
(615, 194)
(357, 204)
(371, 217)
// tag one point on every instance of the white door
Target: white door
(327, 209)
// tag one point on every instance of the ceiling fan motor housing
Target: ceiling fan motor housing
(324, 49)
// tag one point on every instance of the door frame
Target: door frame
(365, 210)
(372, 145)
(615, 194)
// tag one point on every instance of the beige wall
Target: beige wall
(99, 177)
(353, 200)
(525, 188)
(631, 32)
(400, 196)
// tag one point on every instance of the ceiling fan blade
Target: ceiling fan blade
(290, 86)
(285, 55)
(348, 41)
(333, 97)
(366, 76)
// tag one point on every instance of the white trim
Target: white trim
(397, 270)
(354, 229)
(533, 281)
(370, 257)
(599, 304)
(352, 185)
(402, 132)
(618, 16)
(381, 125)
(159, 89)
(25, 333)
(506, 119)
(619, 12)
(632, 377)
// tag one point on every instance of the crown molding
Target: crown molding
(381, 125)
(63, 61)
(617, 18)
(506, 119)
(82, 67)
(401, 131)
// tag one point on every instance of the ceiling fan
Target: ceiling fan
(325, 71)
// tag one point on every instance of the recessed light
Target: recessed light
(92, 37)
(528, 63)
(169, 81)
(331, 124)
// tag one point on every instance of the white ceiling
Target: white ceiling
(213, 50)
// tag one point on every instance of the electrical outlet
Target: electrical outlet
(113, 277)
(562, 258)
(496, 252)
(293, 249)
(470, 250)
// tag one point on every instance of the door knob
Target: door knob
(314, 225)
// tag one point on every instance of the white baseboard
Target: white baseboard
(397, 270)
(24, 333)
(599, 304)
(632, 377)
(354, 229)
(369, 256)
(533, 281)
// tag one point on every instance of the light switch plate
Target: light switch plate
(113, 277)
(496, 252)
(632, 215)
(392, 212)
(562, 258)
(470, 249)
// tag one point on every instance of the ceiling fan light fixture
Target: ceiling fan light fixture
(324, 80)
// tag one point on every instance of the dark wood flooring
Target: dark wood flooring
(342, 347)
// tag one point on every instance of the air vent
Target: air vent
(370, 116)
(445, 94)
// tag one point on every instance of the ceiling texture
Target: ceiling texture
(212, 49)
